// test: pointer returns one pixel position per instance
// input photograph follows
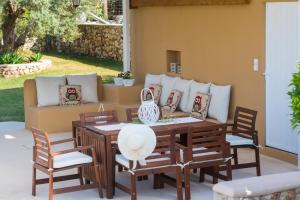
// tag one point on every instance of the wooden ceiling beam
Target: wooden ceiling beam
(144, 3)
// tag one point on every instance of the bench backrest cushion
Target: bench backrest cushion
(219, 103)
(47, 89)
(168, 84)
(88, 85)
(183, 86)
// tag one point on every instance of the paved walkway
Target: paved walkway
(15, 172)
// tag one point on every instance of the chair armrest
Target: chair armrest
(251, 133)
(80, 148)
(63, 141)
(180, 146)
(114, 146)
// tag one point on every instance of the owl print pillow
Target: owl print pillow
(70, 95)
(201, 104)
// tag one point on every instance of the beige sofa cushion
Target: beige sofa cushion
(184, 87)
(47, 89)
(257, 186)
(219, 104)
(88, 84)
(153, 79)
(168, 84)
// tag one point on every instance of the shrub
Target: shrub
(36, 57)
(295, 98)
(11, 58)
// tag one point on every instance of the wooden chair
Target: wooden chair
(131, 114)
(94, 118)
(163, 160)
(242, 134)
(49, 162)
(206, 148)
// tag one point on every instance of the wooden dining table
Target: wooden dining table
(103, 140)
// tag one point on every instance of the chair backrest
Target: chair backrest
(131, 114)
(98, 117)
(244, 119)
(42, 148)
(206, 143)
(164, 152)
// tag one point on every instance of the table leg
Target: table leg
(109, 169)
(73, 130)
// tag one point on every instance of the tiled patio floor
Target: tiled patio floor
(15, 172)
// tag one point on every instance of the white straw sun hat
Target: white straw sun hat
(136, 142)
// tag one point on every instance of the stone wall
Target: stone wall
(103, 41)
(12, 70)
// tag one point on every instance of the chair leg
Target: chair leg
(50, 186)
(187, 183)
(179, 183)
(120, 168)
(215, 174)
(202, 175)
(140, 178)
(157, 182)
(33, 181)
(80, 175)
(235, 156)
(98, 179)
(133, 187)
(257, 158)
(229, 170)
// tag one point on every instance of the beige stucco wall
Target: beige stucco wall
(217, 43)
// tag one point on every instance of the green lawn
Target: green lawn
(11, 89)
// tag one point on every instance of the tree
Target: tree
(21, 19)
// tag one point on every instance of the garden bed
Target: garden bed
(13, 70)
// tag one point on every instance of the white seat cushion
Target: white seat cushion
(125, 162)
(70, 159)
(235, 140)
(197, 155)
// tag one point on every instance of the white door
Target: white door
(281, 58)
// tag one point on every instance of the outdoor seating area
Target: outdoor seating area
(143, 100)
(20, 141)
(183, 144)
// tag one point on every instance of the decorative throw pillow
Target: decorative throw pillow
(195, 88)
(201, 104)
(156, 91)
(70, 94)
(173, 100)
